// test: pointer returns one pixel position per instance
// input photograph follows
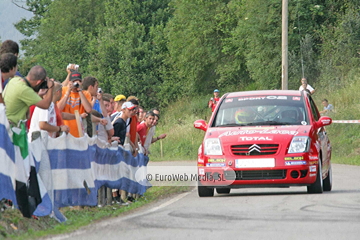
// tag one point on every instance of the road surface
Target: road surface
(266, 213)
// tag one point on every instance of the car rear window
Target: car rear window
(260, 111)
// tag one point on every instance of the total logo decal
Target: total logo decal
(260, 131)
(255, 138)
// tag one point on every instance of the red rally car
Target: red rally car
(274, 138)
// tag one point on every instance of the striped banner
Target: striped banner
(69, 170)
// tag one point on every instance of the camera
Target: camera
(76, 66)
(43, 85)
(76, 84)
(99, 90)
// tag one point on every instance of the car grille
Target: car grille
(255, 175)
(261, 149)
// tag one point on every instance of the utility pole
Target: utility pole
(284, 46)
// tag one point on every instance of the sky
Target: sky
(10, 14)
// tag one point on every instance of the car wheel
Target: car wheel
(205, 191)
(317, 186)
(223, 190)
(328, 181)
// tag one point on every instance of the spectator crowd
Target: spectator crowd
(75, 106)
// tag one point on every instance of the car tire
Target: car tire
(223, 190)
(328, 181)
(205, 191)
(317, 186)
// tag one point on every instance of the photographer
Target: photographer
(214, 100)
(73, 98)
(20, 93)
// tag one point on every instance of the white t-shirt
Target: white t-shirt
(42, 115)
(308, 87)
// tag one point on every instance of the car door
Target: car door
(322, 138)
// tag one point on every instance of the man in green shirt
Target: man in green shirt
(21, 93)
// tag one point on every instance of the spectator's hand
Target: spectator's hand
(83, 115)
(71, 68)
(162, 136)
(65, 128)
(99, 96)
(50, 82)
(103, 121)
(115, 139)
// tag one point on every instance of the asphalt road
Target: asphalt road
(267, 213)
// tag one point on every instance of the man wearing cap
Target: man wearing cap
(120, 125)
(73, 98)
(214, 100)
(119, 101)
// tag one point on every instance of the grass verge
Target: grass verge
(14, 226)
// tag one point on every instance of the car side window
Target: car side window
(314, 109)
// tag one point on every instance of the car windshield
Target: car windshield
(260, 111)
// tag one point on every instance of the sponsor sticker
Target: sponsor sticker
(200, 160)
(215, 164)
(296, 98)
(201, 171)
(313, 162)
(251, 98)
(258, 131)
(312, 175)
(229, 100)
(313, 158)
(294, 158)
(312, 168)
(216, 160)
(290, 163)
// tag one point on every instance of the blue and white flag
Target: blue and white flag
(7, 159)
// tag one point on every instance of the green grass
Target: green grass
(45, 226)
(183, 139)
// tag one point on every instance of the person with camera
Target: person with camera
(21, 93)
(214, 100)
(74, 98)
(48, 119)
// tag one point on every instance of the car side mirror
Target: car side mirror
(201, 124)
(323, 121)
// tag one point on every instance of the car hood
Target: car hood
(266, 134)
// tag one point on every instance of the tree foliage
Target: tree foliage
(160, 50)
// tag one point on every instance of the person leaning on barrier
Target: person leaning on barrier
(48, 119)
(20, 93)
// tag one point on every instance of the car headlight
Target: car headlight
(299, 144)
(212, 147)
